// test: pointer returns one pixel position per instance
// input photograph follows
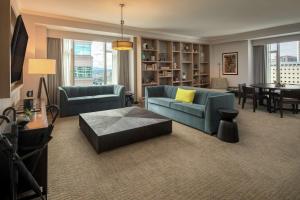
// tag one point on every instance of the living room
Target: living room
(153, 99)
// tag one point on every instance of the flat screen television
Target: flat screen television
(18, 49)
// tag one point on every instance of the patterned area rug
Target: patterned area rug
(187, 164)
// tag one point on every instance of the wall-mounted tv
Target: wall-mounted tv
(18, 49)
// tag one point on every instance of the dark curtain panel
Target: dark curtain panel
(123, 69)
(259, 64)
(54, 51)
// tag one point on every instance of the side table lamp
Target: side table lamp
(42, 67)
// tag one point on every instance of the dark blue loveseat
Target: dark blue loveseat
(81, 99)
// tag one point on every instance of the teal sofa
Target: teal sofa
(202, 114)
(81, 99)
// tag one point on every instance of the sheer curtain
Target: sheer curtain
(68, 63)
(54, 51)
(259, 64)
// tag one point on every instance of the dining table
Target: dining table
(270, 88)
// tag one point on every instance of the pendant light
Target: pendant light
(122, 44)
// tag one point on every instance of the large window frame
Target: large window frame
(106, 51)
(282, 74)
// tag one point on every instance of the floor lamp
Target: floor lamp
(42, 67)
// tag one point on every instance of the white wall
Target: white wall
(39, 27)
(244, 61)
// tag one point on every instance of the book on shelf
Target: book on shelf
(149, 67)
(165, 73)
(165, 68)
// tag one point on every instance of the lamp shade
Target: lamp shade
(42, 66)
(122, 45)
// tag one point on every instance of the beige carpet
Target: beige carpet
(188, 164)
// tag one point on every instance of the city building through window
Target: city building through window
(95, 63)
(283, 62)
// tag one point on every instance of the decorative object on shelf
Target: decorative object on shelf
(202, 56)
(122, 44)
(230, 63)
(42, 67)
(145, 46)
(186, 48)
(143, 57)
(28, 104)
(183, 76)
(163, 57)
(29, 93)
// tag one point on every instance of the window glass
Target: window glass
(288, 65)
(93, 63)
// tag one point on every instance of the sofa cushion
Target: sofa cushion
(170, 91)
(193, 109)
(186, 96)
(82, 91)
(162, 101)
(94, 99)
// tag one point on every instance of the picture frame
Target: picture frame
(230, 63)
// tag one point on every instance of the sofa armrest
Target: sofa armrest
(120, 91)
(153, 91)
(62, 94)
(63, 99)
(214, 103)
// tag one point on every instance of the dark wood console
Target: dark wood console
(29, 136)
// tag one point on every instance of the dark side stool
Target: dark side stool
(228, 130)
(129, 100)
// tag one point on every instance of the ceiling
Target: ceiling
(200, 18)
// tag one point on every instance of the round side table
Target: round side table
(228, 129)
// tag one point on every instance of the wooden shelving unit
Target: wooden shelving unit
(175, 63)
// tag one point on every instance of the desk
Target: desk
(29, 136)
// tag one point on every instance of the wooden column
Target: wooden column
(5, 38)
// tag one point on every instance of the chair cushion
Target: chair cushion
(186, 96)
(162, 101)
(93, 99)
(193, 109)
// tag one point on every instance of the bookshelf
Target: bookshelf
(165, 62)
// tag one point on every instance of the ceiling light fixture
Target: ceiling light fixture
(122, 44)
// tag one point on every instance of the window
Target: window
(82, 48)
(94, 63)
(283, 62)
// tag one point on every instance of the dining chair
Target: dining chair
(240, 91)
(291, 97)
(249, 93)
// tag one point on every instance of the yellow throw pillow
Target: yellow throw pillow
(186, 96)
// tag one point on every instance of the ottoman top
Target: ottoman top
(123, 119)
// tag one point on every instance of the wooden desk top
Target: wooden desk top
(39, 119)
